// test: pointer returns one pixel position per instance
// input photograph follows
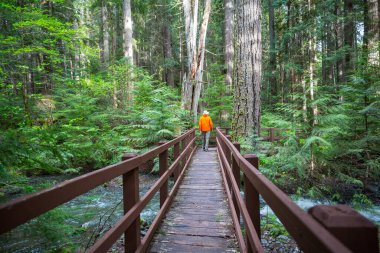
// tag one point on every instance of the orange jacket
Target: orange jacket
(205, 123)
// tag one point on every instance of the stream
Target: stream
(74, 226)
(372, 213)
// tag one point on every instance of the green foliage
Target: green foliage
(77, 128)
(361, 201)
(217, 98)
(54, 227)
(155, 114)
(333, 146)
(273, 226)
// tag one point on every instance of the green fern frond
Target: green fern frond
(315, 140)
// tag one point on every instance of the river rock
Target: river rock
(282, 238)
(373, 188)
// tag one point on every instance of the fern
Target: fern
(315, 140)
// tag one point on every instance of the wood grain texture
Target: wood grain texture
(199, 219)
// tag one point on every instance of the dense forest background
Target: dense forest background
(83, 81)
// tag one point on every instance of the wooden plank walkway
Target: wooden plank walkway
(199, 219)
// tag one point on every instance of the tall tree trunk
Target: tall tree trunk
(228, 41)
(312, 76)
(190, 10)
(115, 54)
(247, 103)
(114, 28)
(200, 59)
(25, 98)
(128, 47)
(312, 62)
(371, 31)
(371, 45)
(168, 54)
(349, 34)
(105, 36)
(339, 29)
(181, 50)
(272, 52)
(75, 66)
(128, 43)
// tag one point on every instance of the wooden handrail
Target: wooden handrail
(235, 186)
(25, 208)
(271, 131)
(310, 235)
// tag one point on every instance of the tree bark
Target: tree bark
(371, 31)
(128, 32)
(168, 54)
(181, 53)
(247, 83)
(228, 41)
(128, 48)
(371, 46)
(114, 28)
(272, 52)
(190, 10)
(349, 34)
(312, 62)
(339, 44)
(105, 38)
(200, 59)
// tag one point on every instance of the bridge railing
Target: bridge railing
(273, 134)
(323, 229)
(28, 207)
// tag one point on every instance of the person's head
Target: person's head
(205, 113)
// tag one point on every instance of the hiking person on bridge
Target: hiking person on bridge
(205, 126)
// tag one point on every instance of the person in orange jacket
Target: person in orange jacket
(205, 126)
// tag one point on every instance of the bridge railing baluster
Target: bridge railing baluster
(130, 198)
(251, 196)
(236, 173)
(176, 152)
(163, 167)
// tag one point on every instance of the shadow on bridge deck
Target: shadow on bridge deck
(199, 219)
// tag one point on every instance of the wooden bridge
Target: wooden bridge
(205, 210)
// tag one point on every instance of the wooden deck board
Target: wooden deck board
(199, 219)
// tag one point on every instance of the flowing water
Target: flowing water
(372, 213)
(79, 222)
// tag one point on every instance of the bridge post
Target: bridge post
(236, 173)
(176, 152)
(355, 231)
(252, 200)
(163, 164)
(194, 144)
(130, 197)
(271, 134)
(183, 160)
(227, 154)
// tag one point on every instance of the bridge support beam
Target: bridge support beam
(131, 196)
(252, 200)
